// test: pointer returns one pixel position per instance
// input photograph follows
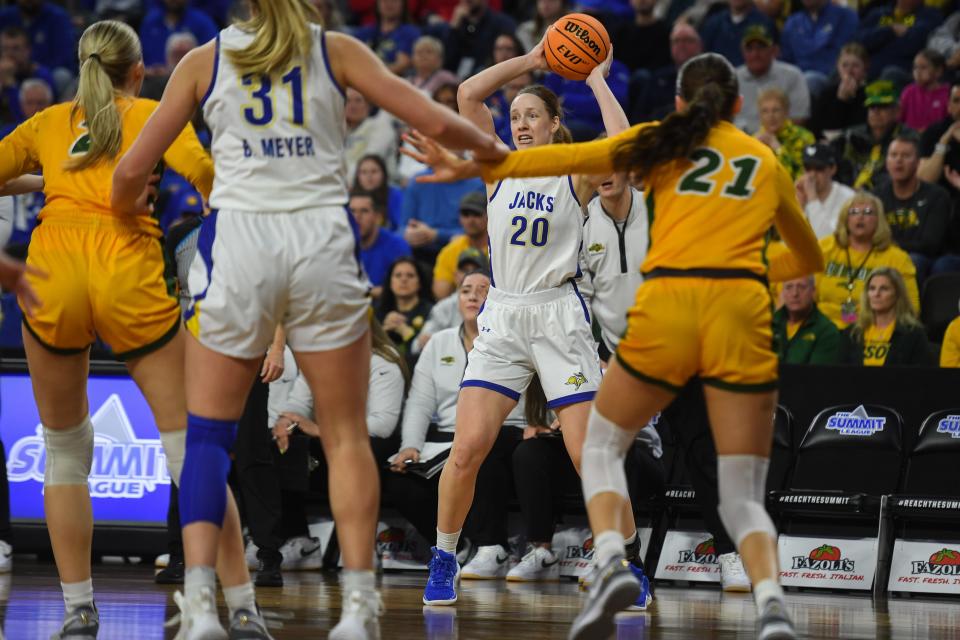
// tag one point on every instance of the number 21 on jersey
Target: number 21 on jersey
(259, 111)
(698, 180)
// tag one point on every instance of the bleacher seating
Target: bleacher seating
(939, 303)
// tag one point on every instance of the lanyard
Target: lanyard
(852, 275)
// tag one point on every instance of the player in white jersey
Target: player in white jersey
(534, 320)
(279, 250)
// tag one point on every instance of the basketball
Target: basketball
(576, 44)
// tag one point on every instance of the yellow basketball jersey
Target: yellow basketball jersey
(47, 140)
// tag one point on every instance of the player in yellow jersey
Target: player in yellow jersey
(703, 310)
(106, 277)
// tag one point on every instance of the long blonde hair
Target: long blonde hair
(882, 237)
(108, 49)
(282, 29)
(903, 309)
(384, 347)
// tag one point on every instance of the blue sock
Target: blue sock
(203, 482)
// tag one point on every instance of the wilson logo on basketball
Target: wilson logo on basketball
(825, 558)
(703, 553)
(583, 35)
(945, 562)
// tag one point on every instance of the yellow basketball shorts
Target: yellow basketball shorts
(717, 329)
(103, 278)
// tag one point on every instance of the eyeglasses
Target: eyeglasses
(862, 212)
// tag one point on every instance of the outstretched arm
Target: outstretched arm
(354, 65)
(28, 183)
(180, 100)
(614, 120)
(804, 257)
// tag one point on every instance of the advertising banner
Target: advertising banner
(688, 555)
(574, 547)
(827, 563)
(925, 567)
(128, 479)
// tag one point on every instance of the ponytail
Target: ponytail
(709, 86)
(283, 35)
(108, 50)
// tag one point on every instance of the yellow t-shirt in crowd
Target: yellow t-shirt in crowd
(950, 351)
(445, 269)
(832, 290)
(876, 344)
(48, 139)
(710, 211)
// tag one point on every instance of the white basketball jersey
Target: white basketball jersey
(277, 141)
(535, 228)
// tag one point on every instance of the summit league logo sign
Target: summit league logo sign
(950, 425)
(124, 466)
(855, 423)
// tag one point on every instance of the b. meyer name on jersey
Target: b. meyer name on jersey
(280, 147)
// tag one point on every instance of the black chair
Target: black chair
(849, 458)
(781, 455)
(938, 304)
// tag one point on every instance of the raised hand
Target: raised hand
(446, 165)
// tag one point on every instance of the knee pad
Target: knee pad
(69, 454)
(174, 449)
(741, 481)
(203, 481)
(601, 462)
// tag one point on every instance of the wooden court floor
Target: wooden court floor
(133, 607)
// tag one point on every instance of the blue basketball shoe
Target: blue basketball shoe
(646, 596)
(444, 579)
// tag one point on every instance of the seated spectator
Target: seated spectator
(787, 140)
(801, 333)
(16, 66)
(505, 47)
(427, 72)
(35, 96)
(893, 34)
(581, 111)
(404, 303)
(392, 36)
(367, 133)
(861, 243)
(818, 193)
(940, 146)
(330, 14)
(52, 36)
(652, 93)
(918, 212)
(445, 314)
(178, 45)
(760, 71)
(430, 214)
(430, 416)
(473, 28)
(389, 379)
(812, 39)
(379, 247)
(371, 175)
(924, 101)
(839, 105)
(531, 31)
(887, 332)
(473, 219)
(725, 30)
(863, 147)
(641, 43)
(946, 40)
(172, 16)
(950, 350)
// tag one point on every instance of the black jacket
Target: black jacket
(908, 348)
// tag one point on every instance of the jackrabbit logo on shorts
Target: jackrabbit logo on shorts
(951, 425)
(855, 423)
(124, 466)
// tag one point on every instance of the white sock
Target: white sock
(240, 597)
(352, 580)
(765, 591)
(608, 545)
(76, 594)
(448, 541)
(196, 578)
